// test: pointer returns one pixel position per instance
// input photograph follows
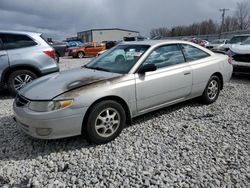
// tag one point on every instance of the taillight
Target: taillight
(50, 53)
(66, 49)
(229, 60)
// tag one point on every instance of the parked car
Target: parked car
(90, 49)
(60, 49)
(217, 44)
(73, 44)
(204, 43)
(99, 98)
(24, 56)
(108, 45)
(240, 54)
(237, 39)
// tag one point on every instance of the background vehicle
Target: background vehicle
(237, 39)
(89, 50)
(73, 44)
(100, 97)
(24, 56)
(60, 49)
(217, 44)
(240, 54)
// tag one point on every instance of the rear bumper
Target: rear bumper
(49, 70)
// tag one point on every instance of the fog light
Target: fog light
(43, 131)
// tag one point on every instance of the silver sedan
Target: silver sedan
(129, 80)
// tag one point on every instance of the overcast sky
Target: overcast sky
(64, 18)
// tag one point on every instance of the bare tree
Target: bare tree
(230, 24)
(242, 14)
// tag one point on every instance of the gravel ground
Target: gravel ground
(185, 145)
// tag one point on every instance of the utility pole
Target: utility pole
(223, 10)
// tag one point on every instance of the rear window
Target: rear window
(14, 41)
(192, 53)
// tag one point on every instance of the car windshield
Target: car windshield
(238, 39)
(119, 59)
(246, 42)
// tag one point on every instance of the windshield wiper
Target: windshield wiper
(97, 68)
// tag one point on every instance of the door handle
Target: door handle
(186, 73)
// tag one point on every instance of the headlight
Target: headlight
(46, 106)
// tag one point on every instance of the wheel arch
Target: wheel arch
(11, 69)
(219, 75)
(121, 101)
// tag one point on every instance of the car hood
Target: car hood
(240, 49)
(50, 86)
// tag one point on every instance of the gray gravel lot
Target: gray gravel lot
(185, 145)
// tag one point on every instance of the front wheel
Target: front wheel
(80, 55)
(105, 122)
(18, 79)
(212, 90)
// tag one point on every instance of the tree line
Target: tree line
(240, 20)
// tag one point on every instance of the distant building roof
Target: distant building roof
(109, 29)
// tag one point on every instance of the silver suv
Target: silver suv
(24, 56)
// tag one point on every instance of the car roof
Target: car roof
(155, 42)
(242, 35)
(20, 32)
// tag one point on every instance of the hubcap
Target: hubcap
(21, 80)
(213, 89)
(107, 122)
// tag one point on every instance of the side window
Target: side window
(192, 53)
(89, 45)
(13, 41)
(165, 56)
(99, 45)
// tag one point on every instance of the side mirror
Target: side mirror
(147, 68)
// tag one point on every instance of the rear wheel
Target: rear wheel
(80, 55)
(18, 79)
(212, 90)
(105, 122)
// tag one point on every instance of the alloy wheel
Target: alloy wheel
(21, 80)
(213, 89)
(107, 122)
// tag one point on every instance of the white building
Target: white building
(113, 34)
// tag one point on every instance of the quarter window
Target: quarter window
(165, 56)
(192, 53)
(13, 41)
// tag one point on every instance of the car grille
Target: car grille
(242, 58)
(21, 101)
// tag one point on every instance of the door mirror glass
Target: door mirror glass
(147, 68)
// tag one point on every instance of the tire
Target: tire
(80, 55)
(18, 79)
(102, 127)
(119, 59)
(212, 90)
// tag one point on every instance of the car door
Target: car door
(90, 50)
(4, 60)
(171, 82)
